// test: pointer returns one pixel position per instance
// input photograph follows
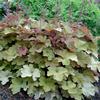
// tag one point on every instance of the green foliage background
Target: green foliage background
(73, 10)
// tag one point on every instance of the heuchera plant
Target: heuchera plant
(49, 60)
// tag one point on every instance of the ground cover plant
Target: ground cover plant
(48, 59)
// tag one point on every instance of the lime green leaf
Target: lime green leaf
(1, 48)
(47, 84)
(1, 55)
(36, 48)
(29, 71)
(31, 88)
(8, 30)
(94, 65)
(19, 61)
(58, 73)
(72, 89)
(54, 62)
(71, 71)
(37, 58)
(76, 93)
(89, 76)
(47, 52)
(48, 43)
(41, 38)
(36, 74)
(16, 85)
(38, 94)
(66, 56)
(67, 85)
(83, 58)
(67, 29)
(3, 43)
(61, 53)
(26, 71)
(88, 89)
(4, 76)
(11, 53)
(65, 61)
(81, 45)
(92, 46)
(79, 78)
(32, 50)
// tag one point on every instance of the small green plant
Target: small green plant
(51, 60)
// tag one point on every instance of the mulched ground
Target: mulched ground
(97, 96)
(6, 94)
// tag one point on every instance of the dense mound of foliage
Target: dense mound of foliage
(48, 59)
(85, 11)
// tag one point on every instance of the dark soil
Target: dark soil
(6, 94)
(97, 96)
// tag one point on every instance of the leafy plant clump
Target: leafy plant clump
(51, 60)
